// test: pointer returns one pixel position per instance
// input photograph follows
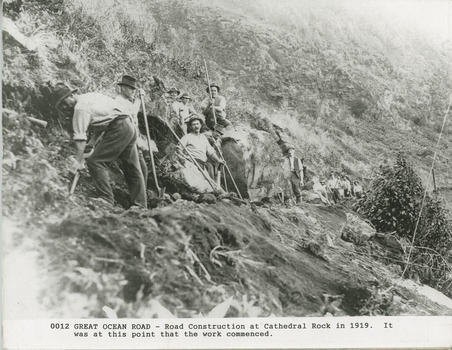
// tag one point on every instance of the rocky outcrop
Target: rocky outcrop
(313, 198)
(254, 159)
(356, 230)
(256, 163)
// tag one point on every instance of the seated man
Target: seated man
(215, 107)
(99, 114)
(197, 143)
(319, 188)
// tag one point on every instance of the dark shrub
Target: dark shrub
(393, 203)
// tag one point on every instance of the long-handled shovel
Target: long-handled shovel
(225, 182)
(210, 93)
(161, 191)
(206, 176)
(218, 178)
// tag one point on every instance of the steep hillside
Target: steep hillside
(349, 85)
(346, 84)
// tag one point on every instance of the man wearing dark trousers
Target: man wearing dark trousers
(100, 114)
(214, 107)
(296, 172)
(128, 87)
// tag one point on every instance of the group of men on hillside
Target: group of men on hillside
(335, 189)
(340, 186)
(114, 134)
(113, 127)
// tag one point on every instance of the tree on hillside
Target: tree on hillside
(393, 203)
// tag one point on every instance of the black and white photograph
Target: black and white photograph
(195, 165)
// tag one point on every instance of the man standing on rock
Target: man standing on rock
(97, 113)
(128, 86)
(197, 143)
(296, 172)
(215, 102)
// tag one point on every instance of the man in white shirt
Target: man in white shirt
(197, 143)
(97, 114)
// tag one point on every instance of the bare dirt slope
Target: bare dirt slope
(271, 259)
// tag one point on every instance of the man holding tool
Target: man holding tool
(214, 108)
(128, 87)
(102, 115)
(197, 144)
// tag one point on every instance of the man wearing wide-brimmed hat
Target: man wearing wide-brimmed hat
(214, 102)
(296, 172)
(128, 87)
(95, 113)
(184, 110)
(197, 144)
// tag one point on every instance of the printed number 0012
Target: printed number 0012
(59, 325)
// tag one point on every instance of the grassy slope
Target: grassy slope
(308, 70)
(347, 83)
